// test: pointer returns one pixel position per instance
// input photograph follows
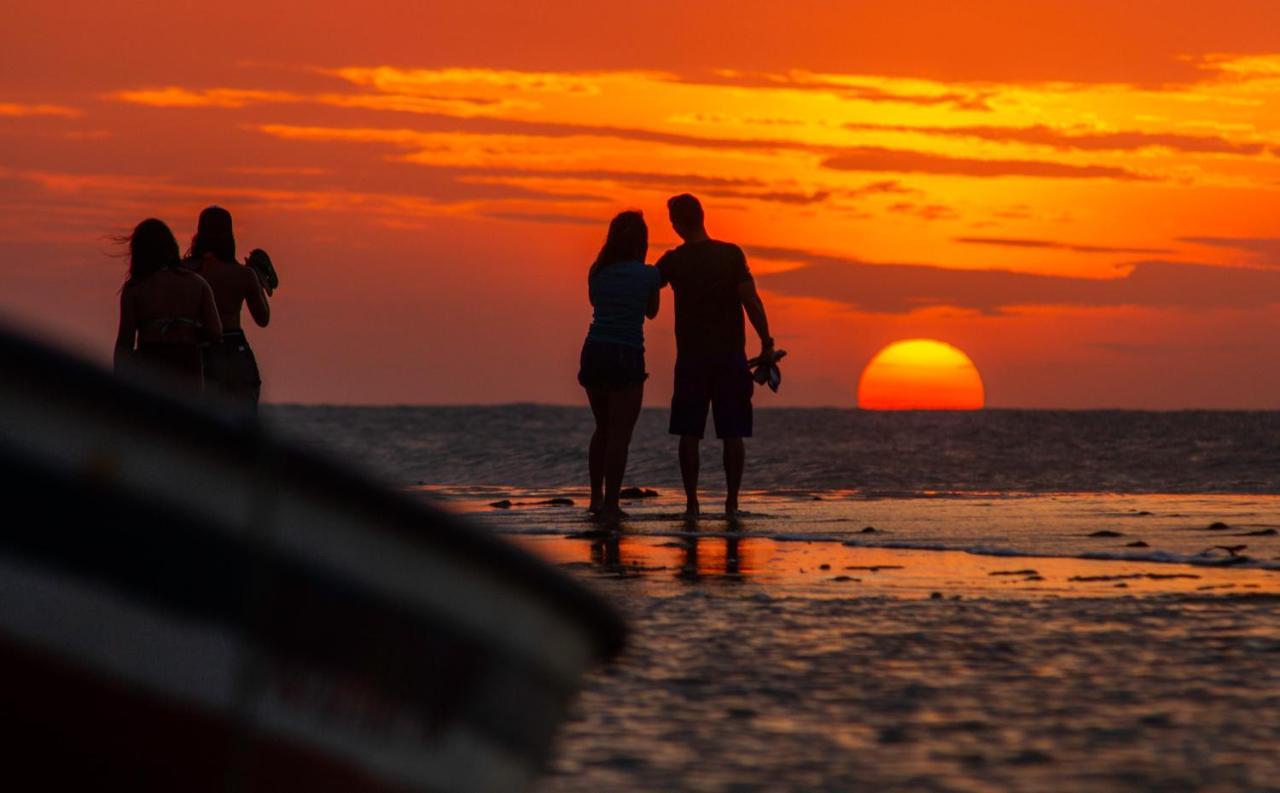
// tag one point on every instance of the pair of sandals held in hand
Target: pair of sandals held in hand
(764, 368)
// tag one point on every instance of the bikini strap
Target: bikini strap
(165, 324)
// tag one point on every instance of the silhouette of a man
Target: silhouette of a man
(712, 287)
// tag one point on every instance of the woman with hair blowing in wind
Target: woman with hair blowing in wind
(165, 310)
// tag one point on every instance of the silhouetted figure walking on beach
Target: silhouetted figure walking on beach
(165, 308)
(712, 287)
(229, 363)
(623, 291)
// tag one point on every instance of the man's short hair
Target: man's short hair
(685, 210)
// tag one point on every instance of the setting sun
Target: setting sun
(920, 374)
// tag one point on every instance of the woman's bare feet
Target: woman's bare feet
(611, 514)
(691, 508)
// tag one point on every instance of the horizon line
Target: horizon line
(852, 408)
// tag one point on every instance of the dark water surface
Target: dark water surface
(825, 449)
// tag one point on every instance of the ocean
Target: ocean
(874, 453)
(996, 600)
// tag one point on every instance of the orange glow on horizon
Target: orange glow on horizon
(920, 374)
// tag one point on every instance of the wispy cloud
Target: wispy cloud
(528, 129)
(553, 218)
(904, 288)
(93, 191)
(863, 88)
(390, 79)
(1079, 139)
(18, 109)
(877, 159)
(177, 96)
(924, 211)
(1243, 67)
(1265, 250)
(1073, 247)
(675, 181)
(795, 197)
(235, 98)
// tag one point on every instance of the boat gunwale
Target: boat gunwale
(225, 430)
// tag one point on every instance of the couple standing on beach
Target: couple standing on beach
(713, 287)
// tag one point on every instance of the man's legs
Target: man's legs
(689, 464)
(735, 457)
(689, 405)
(731, 404)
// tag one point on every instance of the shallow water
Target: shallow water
(1211, 529)
(724, 689)
(822, 570)
(1010, 601)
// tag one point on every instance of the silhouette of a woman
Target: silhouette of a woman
(167, 310)
(229, 363)
(623, 291)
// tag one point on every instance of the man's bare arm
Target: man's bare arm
(754, 307)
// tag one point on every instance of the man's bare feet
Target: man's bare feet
(594, 508)
(611, 514)
(691, 509)
(731, 509)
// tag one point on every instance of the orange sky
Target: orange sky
(1080, 195)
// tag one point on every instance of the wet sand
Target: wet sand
(668, 564)
(793, 650)
(727, 687)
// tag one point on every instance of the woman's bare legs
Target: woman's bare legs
(620, 408)
(599, 399)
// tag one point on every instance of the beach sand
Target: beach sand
(793, 651)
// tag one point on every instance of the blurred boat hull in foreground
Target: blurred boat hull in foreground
(188, 604)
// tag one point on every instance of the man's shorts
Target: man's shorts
(722, 382)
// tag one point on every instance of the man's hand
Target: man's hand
(767, 357)
(767, 350)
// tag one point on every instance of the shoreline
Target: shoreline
(1232, 535)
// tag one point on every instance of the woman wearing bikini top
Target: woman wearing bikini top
(166, 310)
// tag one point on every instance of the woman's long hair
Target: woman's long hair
(152, 247)
(628, 240)
(214, 235)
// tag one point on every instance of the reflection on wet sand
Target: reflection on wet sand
(693, 558)
(711, 557)
(834, 570)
